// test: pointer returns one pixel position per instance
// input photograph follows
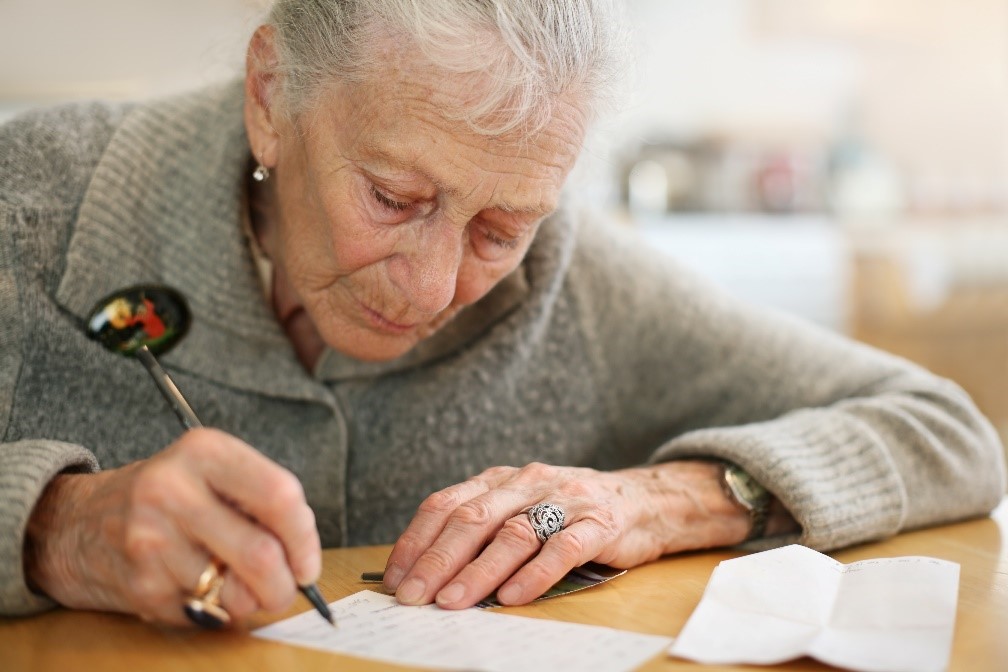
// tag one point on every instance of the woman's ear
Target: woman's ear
(262, 95)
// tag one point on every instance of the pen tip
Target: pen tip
(311, 591)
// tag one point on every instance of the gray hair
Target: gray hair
(528, 53)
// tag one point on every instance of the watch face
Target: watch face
(745, 488)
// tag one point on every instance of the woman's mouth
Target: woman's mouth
(384, 324)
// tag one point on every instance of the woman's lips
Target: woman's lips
(385, 324)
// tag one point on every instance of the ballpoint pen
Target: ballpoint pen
(135, 322)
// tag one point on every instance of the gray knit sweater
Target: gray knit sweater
(594, 353)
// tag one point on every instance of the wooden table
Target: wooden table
(656, 598)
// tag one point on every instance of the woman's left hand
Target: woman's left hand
(469, 539)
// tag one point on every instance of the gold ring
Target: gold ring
(203, 607)
(209, 579)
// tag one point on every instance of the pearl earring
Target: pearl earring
(261, 172)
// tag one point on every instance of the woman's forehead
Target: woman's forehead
(403, 124)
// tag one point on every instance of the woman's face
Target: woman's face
(391, 217)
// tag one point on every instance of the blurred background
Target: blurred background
(844, 160)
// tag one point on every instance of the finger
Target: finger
(571, 547)
(267, 492)
(210, 525)
(465, 533)
(467, 530)
(237, 598)
(430, 521)
(510, 549)
(173, 615)
(163, 601)
(234, 597)
(253, 554)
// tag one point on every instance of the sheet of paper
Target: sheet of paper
(372, 625)
(885, 615)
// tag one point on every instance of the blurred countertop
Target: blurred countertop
(799, 264)
(804, 264)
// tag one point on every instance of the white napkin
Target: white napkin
(884, 615)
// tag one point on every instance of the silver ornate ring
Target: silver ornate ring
(546, 519)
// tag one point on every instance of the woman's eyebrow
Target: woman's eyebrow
(395, 171)
(381, 159)
(539, 210)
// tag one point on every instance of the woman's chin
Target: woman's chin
(373, 347)
(377, 340)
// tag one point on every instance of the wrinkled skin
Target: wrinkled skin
(137, 538)
(383, 217)
(470, 538)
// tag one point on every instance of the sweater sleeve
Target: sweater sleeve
(856, 443)
(27, 466)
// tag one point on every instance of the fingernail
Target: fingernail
(510, 594)
(451, 594)
(393, 575)
(411, 592)
(311, 573)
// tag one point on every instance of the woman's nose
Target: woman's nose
(431, 268)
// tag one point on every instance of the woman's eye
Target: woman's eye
(506, 243)
(385, 201)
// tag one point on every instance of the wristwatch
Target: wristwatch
(746, 491)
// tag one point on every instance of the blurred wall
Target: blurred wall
(932, 85)
(57, 50)
(924, 82)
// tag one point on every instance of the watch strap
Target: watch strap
(758, 516)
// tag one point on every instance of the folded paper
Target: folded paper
(883, 615)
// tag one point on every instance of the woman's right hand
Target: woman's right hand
(137, 538)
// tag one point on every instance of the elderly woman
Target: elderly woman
(389, 301)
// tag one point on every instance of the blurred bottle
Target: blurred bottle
(862, 184)
(662, 177)
(776, 183)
